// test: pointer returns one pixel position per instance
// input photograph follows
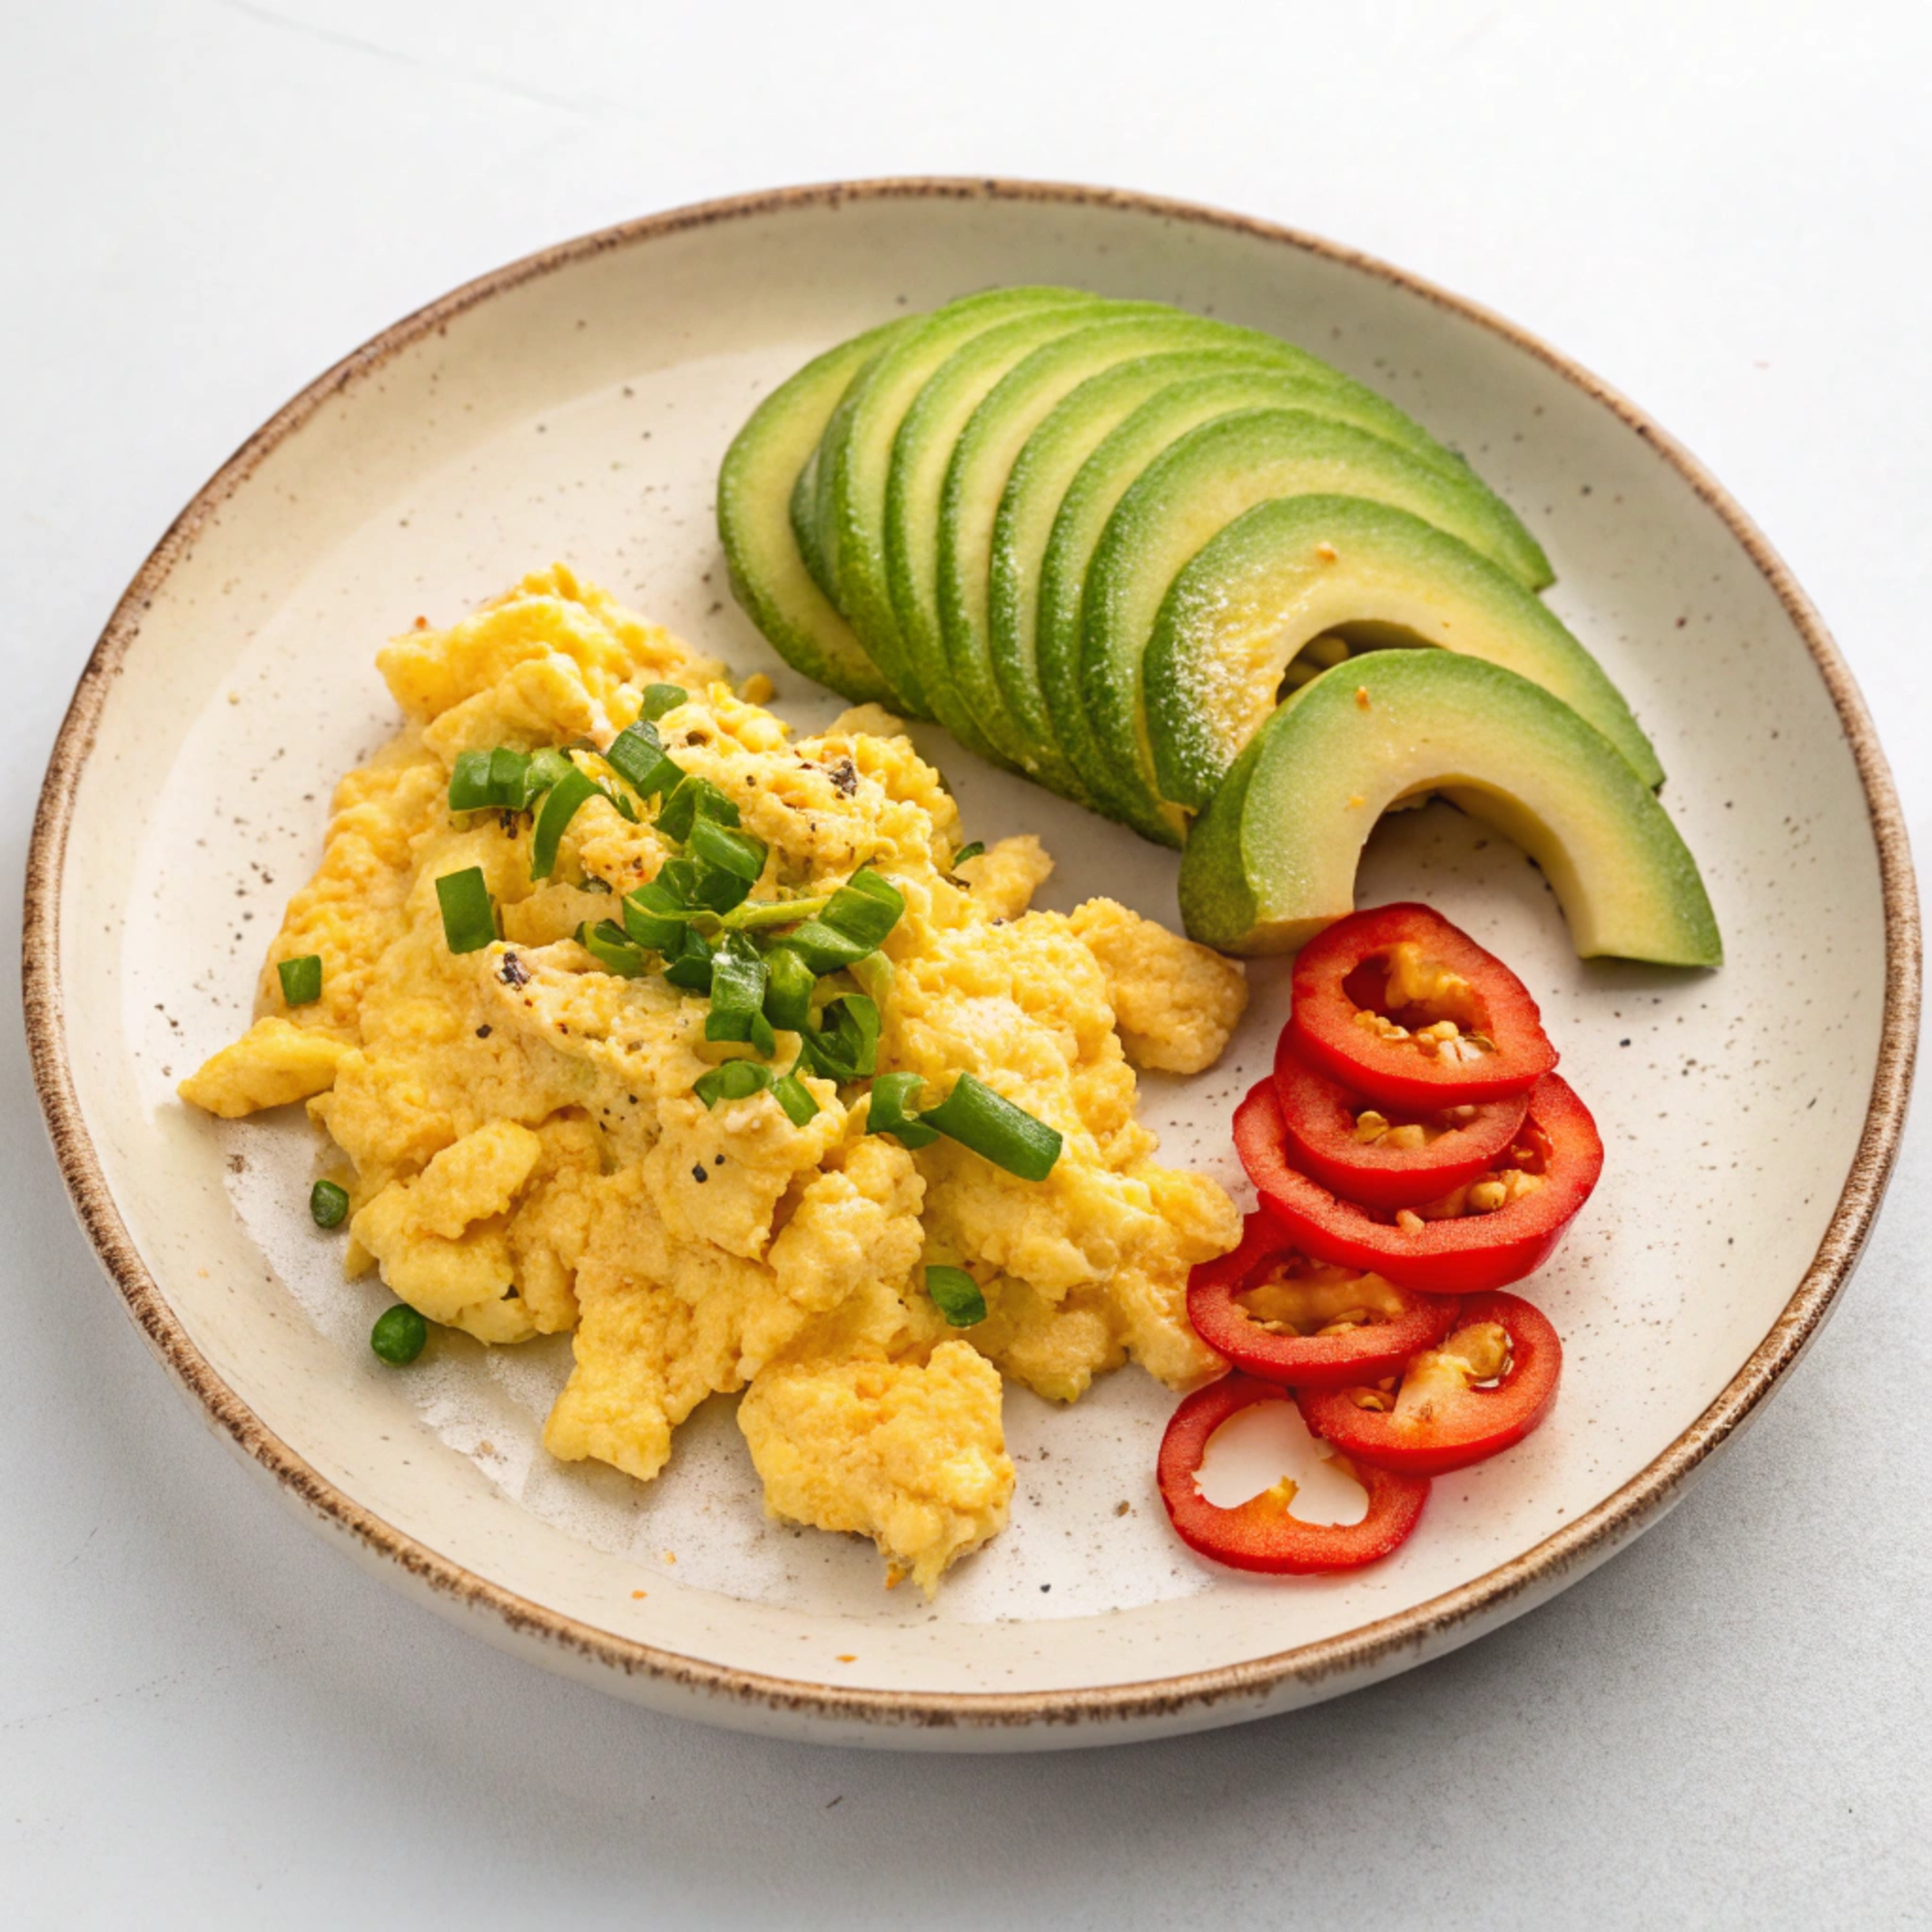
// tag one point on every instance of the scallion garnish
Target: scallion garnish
(470, 789)
(654, 918)
(890, 1111)
(509, 778)
(736, 1080)
(737, 852)
(845, 1045)
(956, 1295)
(661, 698)
(737, 997)
(688, 964)
(694, 795)
(575, 790)
(470, 919)
(968, 852)
(302, 980)
(788, 990)
(855, 921)
(792, 1094)
(608, 944)
(994, 1129)
(638, 757)
(542, 771)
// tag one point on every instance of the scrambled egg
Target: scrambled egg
(526, 1156)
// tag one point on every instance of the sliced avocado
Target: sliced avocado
(1184, 499)
(988, 447)
(920, 452)
(1291, 570)
(1273, 859)
(854, 463)
(768, 576)
(1051, 522)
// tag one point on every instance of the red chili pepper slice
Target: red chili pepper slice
(1415, 1158)
(1300, 1294)
(1260, 1534)
(1373, 993)
(1440, 1421)
(1439, 1250)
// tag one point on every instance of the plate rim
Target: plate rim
(1439, 1621)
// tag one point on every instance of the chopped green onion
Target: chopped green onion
(701, 888)
(968, 852)
(788, 990)
(654, 918)
(638, 757)
(302, 980)
(891, 1112)
(399, 1335)
(792, 1094)
(956, 1295)
(874, 975)
(608, 943)
(509, 778)
(470, 786)
(470, 919)
(688, 964)
(542, 771)
(661, 698)
(567, 796)
(866, 907)
(694, 795)
(993, 1127)
(846, 1045)
(328, 1204)
(771, 912)
(824, 949)
(737, 852)
(736, 1080)
(737, 994)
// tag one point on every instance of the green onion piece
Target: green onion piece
(736, 1080)
(993, 1127)
(689, 964)
(654, 919)
(470, 919)
(399, 1336)
(541, 771)
(328, 1204)
(610, 947)
(956, 1295)
(865, 908)
(792, 1094)
(968, 852)
(737, 852)
(693, 796)
(788, 990)
(470, 786)
(567, 796)
(889, 1111)
(874, 975)
(737, 992)
(661, 698)
(715, 891)
(509, 775)
(771, 912)
(824, 949)
(638, 757)
(302, 980)
(846, 1045)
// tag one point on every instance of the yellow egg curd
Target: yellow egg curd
(525, 1154)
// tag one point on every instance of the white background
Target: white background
(206, 1715)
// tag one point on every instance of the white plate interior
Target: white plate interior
(581, 415)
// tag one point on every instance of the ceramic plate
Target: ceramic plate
(575, 406)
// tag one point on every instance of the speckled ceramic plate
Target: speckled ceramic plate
(575, 406)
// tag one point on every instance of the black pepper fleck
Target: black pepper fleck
(483, 1033)
(698, 1173)
(513, 972)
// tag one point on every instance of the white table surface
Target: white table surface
(207, 1715)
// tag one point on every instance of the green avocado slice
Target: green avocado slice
(915, 484)
(1273, 859)
(1179, 390)
(1299, 568)
(854, 464)
(1184, 499)
(769, 577)
(1070, 478)
(988, 448)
